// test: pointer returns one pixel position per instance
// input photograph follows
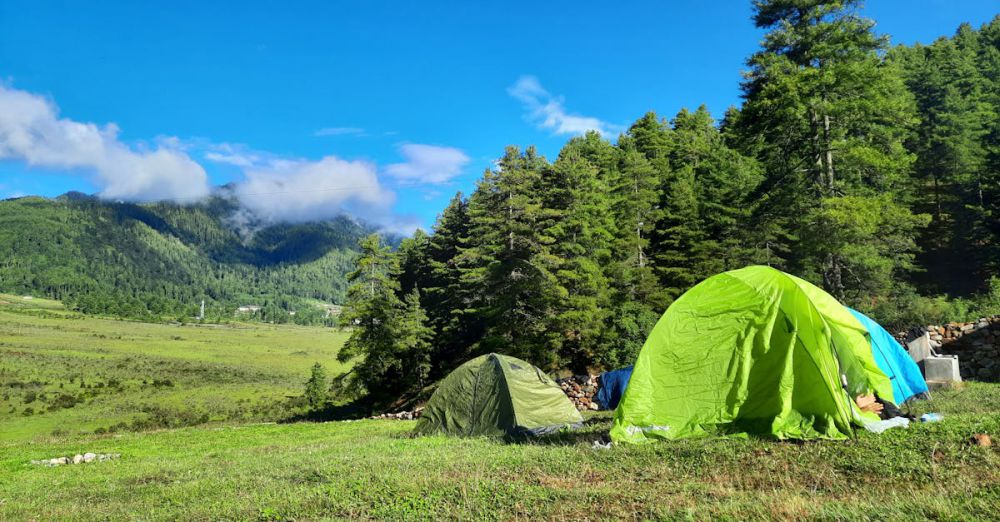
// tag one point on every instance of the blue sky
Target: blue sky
(380, 109)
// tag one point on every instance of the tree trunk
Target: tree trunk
(829, 153)
(510, 219)
(638, 226)
(832, 277)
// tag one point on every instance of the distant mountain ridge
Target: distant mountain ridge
(163, 259)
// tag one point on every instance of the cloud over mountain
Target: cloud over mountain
(32, 131)
(302, 190)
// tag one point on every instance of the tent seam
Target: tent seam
(812, 305)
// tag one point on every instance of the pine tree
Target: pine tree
(447, 301)
(316, 387)
(507, 269)
(988, 233)
(705, 220)
(373, 311)
(635, 193)
(579, 221)
(827, 117)
(414, 339)
(414, 262)
(950, 155)
(636, 299)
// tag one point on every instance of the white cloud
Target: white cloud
(31, 131)
(428, 164)
(548, 112)
(340, 131)
(300, 190)
(236, 154)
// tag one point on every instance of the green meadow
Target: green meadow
(207, 446)
(375, 469)
(64, 374)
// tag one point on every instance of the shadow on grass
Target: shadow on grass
(593, 429)
(332, 412)
(564, 438)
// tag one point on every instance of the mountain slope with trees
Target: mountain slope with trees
(161, 260)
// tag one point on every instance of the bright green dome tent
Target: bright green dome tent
(751, 351)
(497, 395)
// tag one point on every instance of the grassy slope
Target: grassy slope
(223, 372)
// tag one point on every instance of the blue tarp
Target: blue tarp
(612, 387)
(894, 361)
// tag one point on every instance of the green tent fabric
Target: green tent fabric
(751, 351)
(497, 395)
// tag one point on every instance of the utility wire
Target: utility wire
(336, 189)
(447, 182)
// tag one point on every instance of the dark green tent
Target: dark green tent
(497, 395)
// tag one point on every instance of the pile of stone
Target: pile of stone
(402, 415)
(977, 345)
(581, 390)
(81, 458)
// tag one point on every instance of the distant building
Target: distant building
(247, 309)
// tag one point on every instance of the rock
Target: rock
(89, 457)
(77, 459)
(594, 406)
(59, 461)
(981, 439)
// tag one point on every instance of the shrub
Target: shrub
(64, 401)
(316, 387)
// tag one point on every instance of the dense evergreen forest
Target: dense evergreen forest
(159, 261)
(869, 170)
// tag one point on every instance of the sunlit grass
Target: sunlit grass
(225, 372)
(375, 469)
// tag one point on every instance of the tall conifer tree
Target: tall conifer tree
(579, 221)
(373, 312)
(449, 301)
(508, 266)
(828, 118)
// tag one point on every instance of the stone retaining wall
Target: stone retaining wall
(977, 345)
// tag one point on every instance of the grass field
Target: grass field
(236, 468)
(63, 373)
(374, 469)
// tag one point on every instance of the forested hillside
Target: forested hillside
(160, 260)
(873, 172)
